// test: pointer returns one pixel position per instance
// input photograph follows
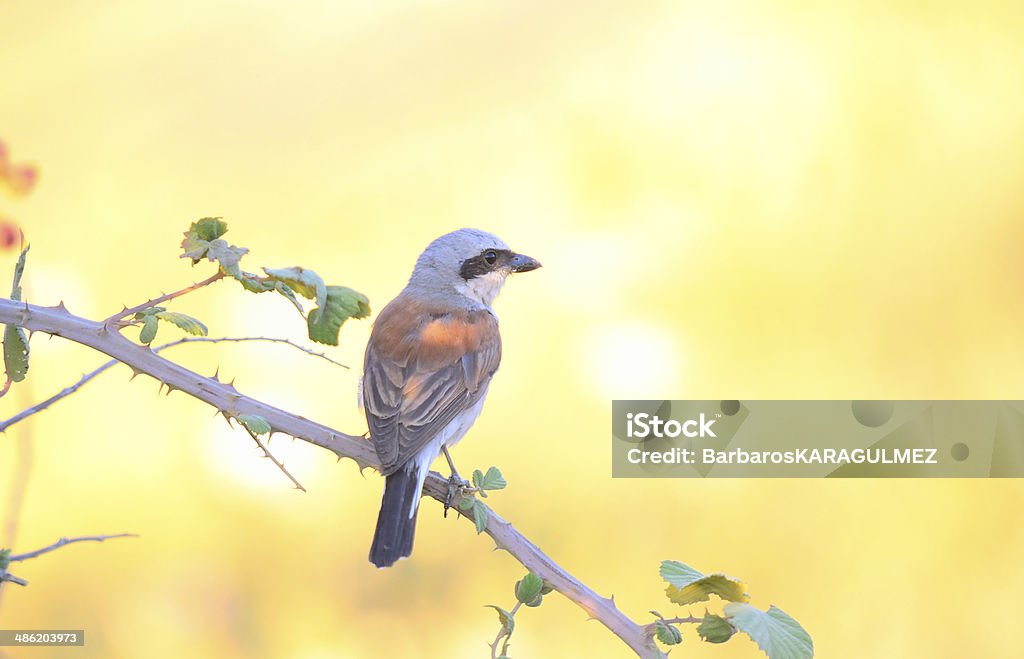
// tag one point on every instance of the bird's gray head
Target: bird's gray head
(467, 263)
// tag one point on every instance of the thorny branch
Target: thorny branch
(67, 541)
(163, 298)
(67, 391)
(270, 456)
(7, 576)
(224, 397)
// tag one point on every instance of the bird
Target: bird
(428, 364)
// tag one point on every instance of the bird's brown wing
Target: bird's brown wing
(424, 367)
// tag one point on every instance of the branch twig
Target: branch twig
(7, 576)
(67, 541)
(270, 456)
(679, 621)
(58, 321)
(20, 477)
(67, 391)
(124, 313)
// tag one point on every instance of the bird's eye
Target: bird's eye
(491, 257)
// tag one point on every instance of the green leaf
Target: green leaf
(148, 311)
(479, 516)
(254, 423)
(465, 503)
(668, 634)
(777, 634)
(15, 353)
(305, 282)
(678, 574)
(15, 339)
(148, 331)
(199, 235)
(203, 240)
(492, 480)
(19, 270)
(227, 256)
(254, 284)
(687, 586)
(184, 321)
(715, 629)
(209, 228)
(528, 589)
(508, 622)
(5, 558)
(342, 303)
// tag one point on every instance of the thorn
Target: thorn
(216, 374)
(135, 373)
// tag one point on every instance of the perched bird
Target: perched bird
(432, 353)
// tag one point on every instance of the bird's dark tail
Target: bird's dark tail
(395, 529)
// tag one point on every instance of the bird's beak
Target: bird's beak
(524, 263)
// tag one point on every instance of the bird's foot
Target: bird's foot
(456, 486)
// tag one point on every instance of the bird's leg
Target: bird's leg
(456, 484)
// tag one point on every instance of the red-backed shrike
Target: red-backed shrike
(432, 353)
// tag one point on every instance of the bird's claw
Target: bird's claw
(456, 486)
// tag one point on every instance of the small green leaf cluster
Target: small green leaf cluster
(15, 339)
(151, 316)
(5, 558)
(775, 632)
(529, 591)
(334, 304)
(482, 482)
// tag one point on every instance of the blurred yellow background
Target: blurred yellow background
(731, 200)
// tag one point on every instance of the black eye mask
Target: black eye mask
(486, 261)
